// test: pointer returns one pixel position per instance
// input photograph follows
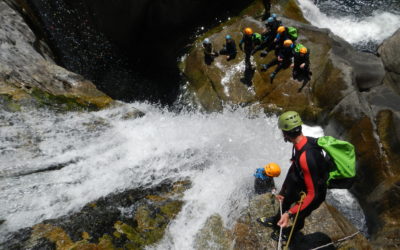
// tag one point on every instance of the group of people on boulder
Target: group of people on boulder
(275, 37)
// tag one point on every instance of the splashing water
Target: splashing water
(355, 29)
(100, 153)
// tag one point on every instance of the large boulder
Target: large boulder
(28, 75)
(336, 67)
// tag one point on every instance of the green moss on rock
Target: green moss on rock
(61, 102)
(7, 103)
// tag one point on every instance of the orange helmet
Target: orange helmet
(272, 169)
(287, 43)
(281, 29)
(303, 50)
(248, 31)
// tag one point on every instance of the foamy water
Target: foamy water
(374, 28)
(102, 153)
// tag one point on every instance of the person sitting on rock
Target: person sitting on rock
(264, 178)
(281, 36)
(284, 59)
(250, 40)
(308, 173)
(269, 35)
(209, 53)
(229, 48)
(301, 65)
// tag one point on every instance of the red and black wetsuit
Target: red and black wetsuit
(307, 173)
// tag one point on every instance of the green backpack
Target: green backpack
(298, 47)
(257, 38)
(341, 159)
(292, 32)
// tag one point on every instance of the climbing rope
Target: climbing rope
(338, 241)
(302, 196)
(280, 230)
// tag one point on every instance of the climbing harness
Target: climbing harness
(338, 241)
(302, 197)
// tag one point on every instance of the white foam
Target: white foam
(375, 28)
(104, 154)
(218, 152)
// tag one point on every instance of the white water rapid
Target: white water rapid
(355, 30)
(103, 153)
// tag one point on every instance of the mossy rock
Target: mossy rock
(132, 219)
(214, 235)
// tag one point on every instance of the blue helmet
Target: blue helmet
(228, 37)
(274, 16)
(270, 19)
(207, 41)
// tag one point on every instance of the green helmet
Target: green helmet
(289, 120)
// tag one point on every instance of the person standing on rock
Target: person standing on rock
(268, 36)
(229, 48)
(267, 6)
(284, 59)
(250, 40)
(308, 173)
(209, 53)
(301, 65)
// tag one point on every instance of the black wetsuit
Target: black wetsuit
(209, 54)
(267, 6)
(280, 38)
(301, 74)
(308, 173)
(286, 54)
(229, 49)
(268, 37)
(265, 185)
(250, 42)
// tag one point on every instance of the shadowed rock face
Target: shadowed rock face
(128, 48)
(29, 76)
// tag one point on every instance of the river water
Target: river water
(363, 23)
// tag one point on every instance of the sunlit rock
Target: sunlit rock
(132, 219)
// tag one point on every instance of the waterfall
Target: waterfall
(55, 163)
(365, 30)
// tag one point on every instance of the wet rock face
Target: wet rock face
(325, 224)
(129, 220)
(29, 76)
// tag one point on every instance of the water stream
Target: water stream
(54, 163)
(363, 23)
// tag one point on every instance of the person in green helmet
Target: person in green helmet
(308, 173)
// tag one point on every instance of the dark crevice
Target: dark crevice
(129, 49)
